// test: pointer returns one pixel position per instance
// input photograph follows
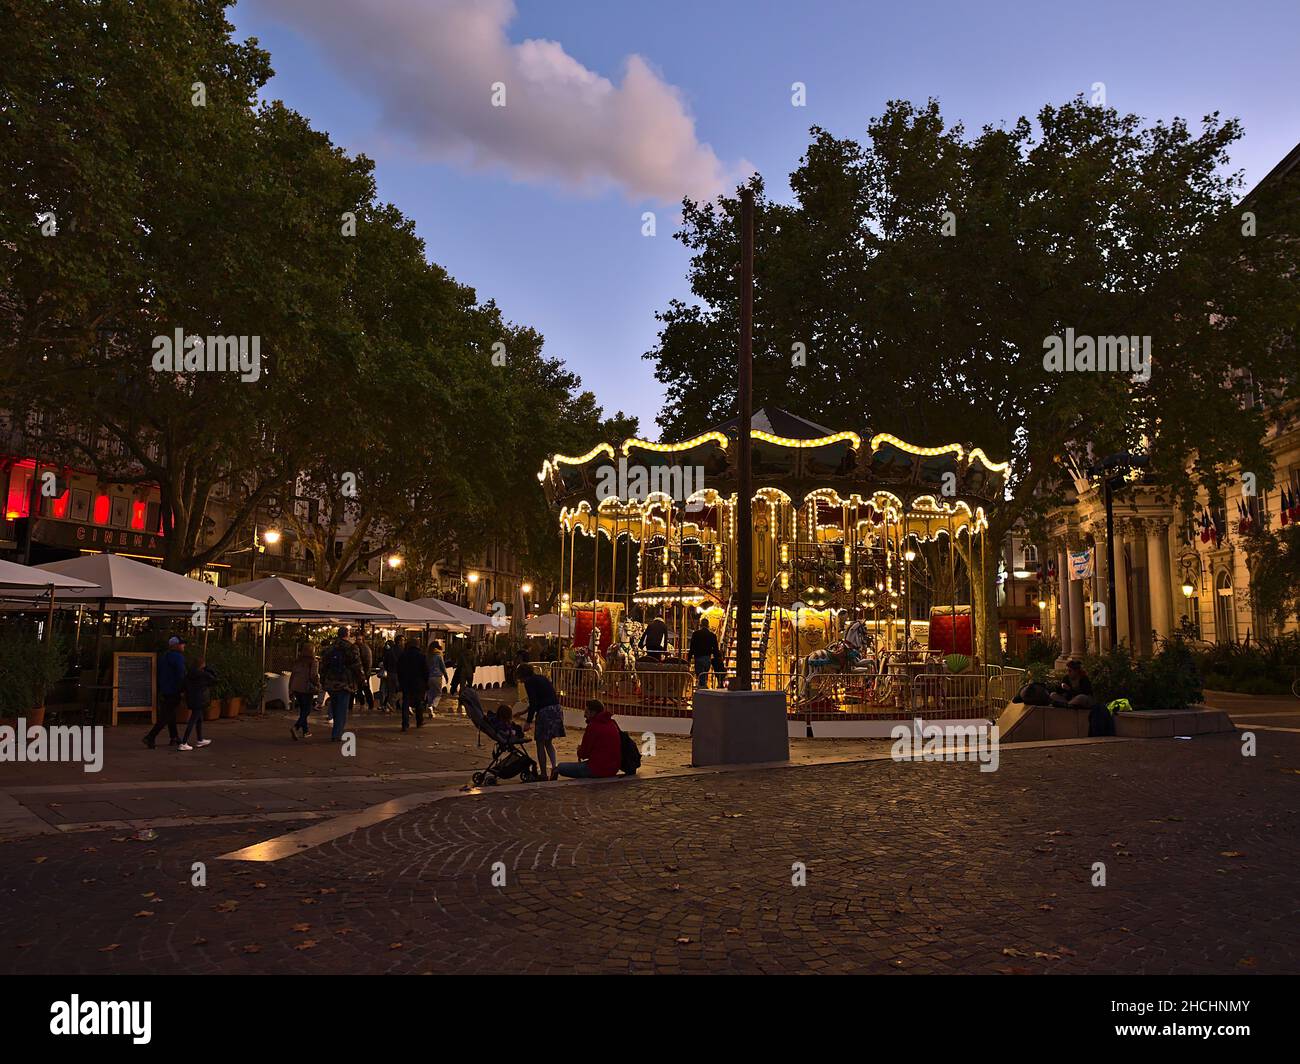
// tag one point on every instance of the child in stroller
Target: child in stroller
(509, 759)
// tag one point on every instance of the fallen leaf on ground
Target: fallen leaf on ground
(1231, 853)
(1011, 952)
(144, 912)
(302, 927)
(306, 943)
(394, 945)
(40, 860)
(228, 906)
(683, 939)
(252, 947)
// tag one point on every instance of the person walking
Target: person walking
(704, 652)
(199, 679)
(466, 665)
(544, 705)
(388, 691)
(437, 675)
(413, 675)
(171, 682)
(367, 664)
(304, 686)
(340, 672)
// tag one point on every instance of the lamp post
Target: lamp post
(270, 538)
(393, 561)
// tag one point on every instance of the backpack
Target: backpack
(1034, 694)
(630, 754)
(1100, 722)
(334, 663)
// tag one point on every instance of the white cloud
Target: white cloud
(432, 64)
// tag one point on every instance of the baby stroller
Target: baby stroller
(509, 759)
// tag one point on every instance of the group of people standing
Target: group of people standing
(342, 674)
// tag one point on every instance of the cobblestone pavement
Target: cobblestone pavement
(915, 867)
(254, 771)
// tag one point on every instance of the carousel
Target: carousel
(865, 550)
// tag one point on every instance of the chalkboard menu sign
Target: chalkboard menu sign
(134, 678)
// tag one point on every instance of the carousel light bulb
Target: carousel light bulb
(785, 553)
(848, 554)
(785, 581)
(717, 553)
(848, 581)
(665, 578)
(717, 580)
(910, 555)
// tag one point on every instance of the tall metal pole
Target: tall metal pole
(745, 487)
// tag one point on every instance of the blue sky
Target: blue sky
(545, 215)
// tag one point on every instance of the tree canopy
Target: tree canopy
(150, 188)
(924, 270)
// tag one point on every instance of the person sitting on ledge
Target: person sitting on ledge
(1075, 687)
(600, 754)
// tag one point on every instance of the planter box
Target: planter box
(215, 709)
(232, 707)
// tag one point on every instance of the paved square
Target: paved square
(915, 867)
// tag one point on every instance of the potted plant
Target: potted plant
(241, 674)
(30, 667)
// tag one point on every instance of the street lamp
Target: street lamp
(271, 536)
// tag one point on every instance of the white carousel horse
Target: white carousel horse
(620, 668)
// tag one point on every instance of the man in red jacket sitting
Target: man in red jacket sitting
(600, 754)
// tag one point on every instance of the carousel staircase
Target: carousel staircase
(760, 622)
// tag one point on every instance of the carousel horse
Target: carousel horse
(620, 668)
(838, 657)
(588, 657)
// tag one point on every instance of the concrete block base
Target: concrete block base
(739, 728)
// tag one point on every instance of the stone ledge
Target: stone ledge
(1166, 723)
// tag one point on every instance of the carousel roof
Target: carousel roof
(791, 456)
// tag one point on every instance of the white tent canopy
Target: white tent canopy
(123, 584)
(550, 624)
(453, 613)
(288, 600)
(403, 612)
(27, 577)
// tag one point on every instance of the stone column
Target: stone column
(1158, 573)
(1122, 634)
(1078, 627)
(1063, 601)
(1101, 637)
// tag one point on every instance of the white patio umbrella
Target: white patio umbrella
(288, 600)
(453, 613)
(411, 614)
(38, 582)
(28, 577)
(125, 585)
(551, 624)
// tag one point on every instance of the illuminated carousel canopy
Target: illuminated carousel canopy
(791, 455)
